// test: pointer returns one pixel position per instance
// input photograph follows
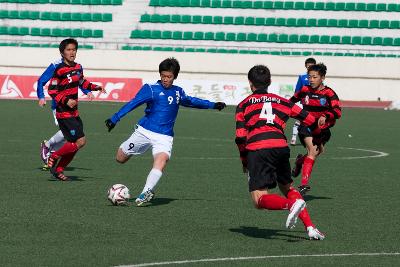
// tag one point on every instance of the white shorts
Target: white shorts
(54, 115)
(141, 140)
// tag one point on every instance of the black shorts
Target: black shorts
(267, 167)
(318, 139)
(72, 128)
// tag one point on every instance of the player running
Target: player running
(66, 77)
(260, 122)
(155, 129)
(321, 101)
(57, 140)
(301, 81)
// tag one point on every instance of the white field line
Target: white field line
(261, 258)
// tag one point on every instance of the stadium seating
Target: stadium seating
(66, 2)
(55, 16)
(53, 32)
(281, 5)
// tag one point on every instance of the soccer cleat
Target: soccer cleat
(303, 189)
(45, 167)
(59, 175)
(52, 161)
(314, 233)
(295, 210)
(144, 197)
(44, 151)
(298, 164)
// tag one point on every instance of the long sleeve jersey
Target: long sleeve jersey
(323, 102)
(162, 105)
(63, 82)
(261, 119)
(302, 81)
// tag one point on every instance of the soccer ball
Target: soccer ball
(118, 194)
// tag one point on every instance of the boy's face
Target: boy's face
(315, 79)
(69, 53)
(167, 78)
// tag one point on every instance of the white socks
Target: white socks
(57, 138)
(152, 179)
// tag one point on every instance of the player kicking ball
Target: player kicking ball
(155, 129)
(260, 121)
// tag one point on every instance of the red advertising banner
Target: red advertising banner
(24, 87)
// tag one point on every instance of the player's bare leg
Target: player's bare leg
(159, 163)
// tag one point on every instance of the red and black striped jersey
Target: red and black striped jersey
(322, 102)
(261, 119)
(64, 85)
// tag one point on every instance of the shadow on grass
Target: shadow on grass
(280, 234)
(158, 201)
(67, 169)
(71, 179)
(311, 197)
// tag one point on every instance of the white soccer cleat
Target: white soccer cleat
(295, 210)
(314, 233)
(293, 141)
(144, 197)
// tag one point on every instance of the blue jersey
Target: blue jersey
(45, 77)
(162, 107)
(301, 81)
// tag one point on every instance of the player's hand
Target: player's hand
(72, 103)
(90, 96)
(42, 102)
(110, 125)
(101, 89)
(321, 121)
(219, 105)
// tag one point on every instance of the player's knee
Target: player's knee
(81, 142)
(121, 157)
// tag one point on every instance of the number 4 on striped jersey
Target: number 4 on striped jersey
(266, 113)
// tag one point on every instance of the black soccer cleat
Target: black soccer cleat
(303, 189)
(298, 164)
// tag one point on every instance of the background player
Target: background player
(264, 152)
(57, 140)
(67, 76)
(155, 129)
(322, 102)
(301, 81)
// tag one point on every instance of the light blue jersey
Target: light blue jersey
(301, 81)
(162, 107)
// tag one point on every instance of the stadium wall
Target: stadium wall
(212, 75)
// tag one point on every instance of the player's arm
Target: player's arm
(241, 136)
(88, 93)
(303, 116)
(299, 84)
(43, 79)
(297, 95)
(86, 85)
(194, 102)
(144, 95)
(335, 112)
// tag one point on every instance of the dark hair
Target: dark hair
(259, 76)
(310, 60)
(66, 42)
(320, 68)
(170, 64)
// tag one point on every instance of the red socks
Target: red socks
(67, 153)
(304, 216)
(275, 202)
(67, 148)
(307, 169)
(64, 161)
